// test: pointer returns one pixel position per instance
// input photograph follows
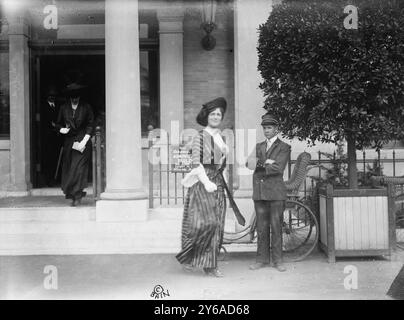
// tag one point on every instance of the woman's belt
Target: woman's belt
(210, 166)
(237, 213)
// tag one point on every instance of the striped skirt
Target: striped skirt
(203, 224)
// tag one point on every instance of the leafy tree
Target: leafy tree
(327, 83)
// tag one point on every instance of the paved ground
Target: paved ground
(135, 276)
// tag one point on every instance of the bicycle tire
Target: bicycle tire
(309, 241)
(290, 254)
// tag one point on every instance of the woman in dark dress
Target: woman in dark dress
(75, 121)
(205, 204)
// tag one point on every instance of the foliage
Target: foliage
(336, 173)
(325, 82)
(375, 169)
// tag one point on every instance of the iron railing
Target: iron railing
(98, 164)
(165, 187)
(164, 184)
(381, 165)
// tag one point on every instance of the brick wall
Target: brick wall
(208, 74)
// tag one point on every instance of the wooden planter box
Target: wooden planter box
(356, 222)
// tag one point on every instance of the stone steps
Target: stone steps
(77, 237)
(47, 214)
(88, 242)
(62, 229)
(54, 192)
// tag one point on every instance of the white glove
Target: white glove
(210, 186)
(81, 146)
(64, 130)
(269, 161)
(85, 139)
(202, 176)
(82, 143)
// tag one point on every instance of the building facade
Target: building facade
(144, 67)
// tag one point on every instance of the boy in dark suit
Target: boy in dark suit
(268, 161)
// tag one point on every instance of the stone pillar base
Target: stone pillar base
(114, 207)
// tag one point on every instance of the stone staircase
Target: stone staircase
(48, 225)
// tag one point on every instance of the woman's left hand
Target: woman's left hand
(82, 145)
(84, 142)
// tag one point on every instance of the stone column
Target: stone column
(124, 198)
(19, 103)
(249, 100)
(171, 67)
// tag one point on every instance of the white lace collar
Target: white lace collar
(217, 138)
(212, 131)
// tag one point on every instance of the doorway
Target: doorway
(53, 72)
(85, 66)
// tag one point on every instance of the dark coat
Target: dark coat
(268, 181)
(75, 164)
(51, 141)
(49, 117)
(81, 124)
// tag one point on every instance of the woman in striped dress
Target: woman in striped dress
(205, 203)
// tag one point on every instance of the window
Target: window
(4, 95)
(149, 71)
(149, 91)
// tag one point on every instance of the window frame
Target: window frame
(4, 48)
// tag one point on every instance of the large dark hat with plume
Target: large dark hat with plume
(208, 107)
(74, 88)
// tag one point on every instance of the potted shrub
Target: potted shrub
(331, 84)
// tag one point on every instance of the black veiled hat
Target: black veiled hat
(208, 107)
(74, 88)
(269, 119)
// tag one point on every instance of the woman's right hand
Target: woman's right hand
(64, 130)
(210, 186)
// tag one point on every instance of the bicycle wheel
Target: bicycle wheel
(300, 231)
(246, 234)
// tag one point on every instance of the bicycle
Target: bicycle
(300, 228)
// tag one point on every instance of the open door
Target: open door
(54, 72)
